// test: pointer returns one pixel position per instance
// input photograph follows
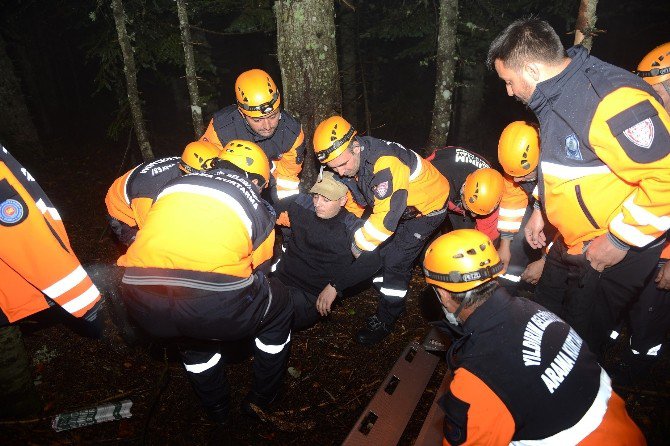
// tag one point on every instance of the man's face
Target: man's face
(326, 208)
(264, 126)
(662, 92)
(348, 162)
(527, 178)
(517, 82)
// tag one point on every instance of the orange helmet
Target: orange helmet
(332, 137)
(256, 93)
(199, 155)
(519, 149)
(461, 260)
(482, 191)
(655, 66)
(249, 157)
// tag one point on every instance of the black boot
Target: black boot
(218, 413)
(374, 331)
(254, 405)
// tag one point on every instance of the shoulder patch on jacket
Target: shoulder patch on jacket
(455, 419)
(13, 209)
(641, 133)
(382, 184)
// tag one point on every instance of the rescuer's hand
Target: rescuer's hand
(325, 300)
(533, 272)
(504, 251)
(663, 277)
(91, 324)
(534, 230)
(602, 253)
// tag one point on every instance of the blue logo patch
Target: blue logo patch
(572, 148)
(11, 212)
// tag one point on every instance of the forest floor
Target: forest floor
(333, 378)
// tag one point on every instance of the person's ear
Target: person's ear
(343, 200)
(532, 70)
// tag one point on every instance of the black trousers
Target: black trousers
(398, 255)
(589, 301)
(304, 308)
(649, 319)
(261, 314)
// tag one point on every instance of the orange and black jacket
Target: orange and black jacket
(605, 161)
(36, 259)
(285, 148)
(522, 374)
(513, 205)
(455, 164)
(207, 231)
(392, 180)
(130, 196)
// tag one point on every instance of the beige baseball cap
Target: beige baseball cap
(329, 187)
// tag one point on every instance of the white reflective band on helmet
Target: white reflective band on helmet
(644, 217)
(374, 232)
(82, 301)
(212, 193)
(572, 172)
(630, 234)
(583, 428)
(199, 368)
(391, 292)
(362, 242)
(272, 349)
(505, 212)
(418, 168)
(614, 334)
(42, 206)
(510, 277)
(66, 283)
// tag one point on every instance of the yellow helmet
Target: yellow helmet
(482, 191)
(519, 149)
(256, 93)
(332, 137)
(199, 155)
(461, 260)
(249, 157)
(655, 66)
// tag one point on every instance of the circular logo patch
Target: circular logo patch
(11, 211)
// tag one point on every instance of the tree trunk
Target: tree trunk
(445, 66)
(17, 131)
(191, 75)
(586, 23)
(17, 391)
(308, 61)
(468, 128)
(347, 35)
(131, 80)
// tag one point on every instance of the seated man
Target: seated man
(552, 390)
(318, 264)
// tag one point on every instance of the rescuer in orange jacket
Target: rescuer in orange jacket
(196, 271)
(649, 316)
(130, 196)
(519, 155)
(521, 374)
(469, 205)
(257, 117)
(604, 176)
(37, 265)
(38, 269)
(408, 197)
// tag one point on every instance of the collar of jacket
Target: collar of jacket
(547, 91)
